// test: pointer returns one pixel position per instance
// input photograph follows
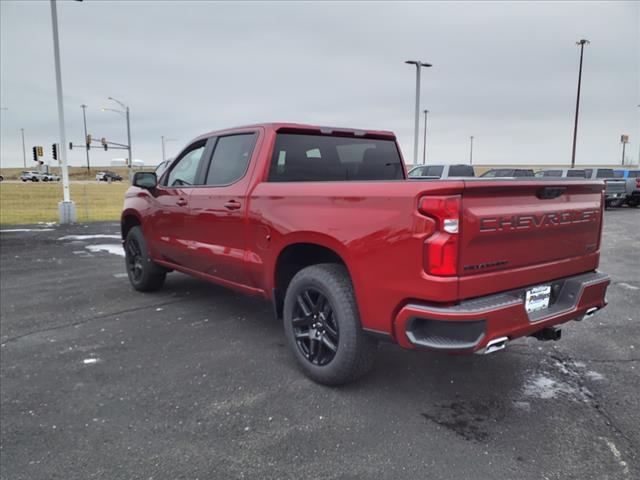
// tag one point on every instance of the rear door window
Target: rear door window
(322, 158)
(552, 173)
(576, 173)
(604, 173)
(230, 159)
(434, 171)
(523, 173)
(461, 171)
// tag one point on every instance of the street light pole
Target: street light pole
(582, 43)
(471, 151)
(129, 143)
(418, 65)
(126, 115)
(24, 152)
(86, 136)
(165, 140)
(67, 208)
(424, 145)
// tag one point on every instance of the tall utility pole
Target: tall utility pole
(424, 145)
(67, 208)
(418, 65)
(24, 152)
(582, 43)
(163, 155)
(86, 136)
(471, 151)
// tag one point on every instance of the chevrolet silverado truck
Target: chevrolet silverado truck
(632, 181)
(615, 192)
(324, 224)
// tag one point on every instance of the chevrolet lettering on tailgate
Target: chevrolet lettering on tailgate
(532, 221)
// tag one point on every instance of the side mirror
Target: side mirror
(147, 180)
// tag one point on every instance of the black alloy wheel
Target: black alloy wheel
(314, 327)
(134, 259)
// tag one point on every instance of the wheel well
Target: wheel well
(293, 259)
(128, 223)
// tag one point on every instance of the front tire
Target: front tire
(322, 326)
(144, 274)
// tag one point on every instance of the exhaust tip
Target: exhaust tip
(496, 345)
(591, 311)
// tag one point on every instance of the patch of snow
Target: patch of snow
(88, 237)
(89, 361)
(12, 230)
(106, 247)
(522, 405)
(544, 387)
(594, 375)
(617, 455)
(628, 286)
(120, 275)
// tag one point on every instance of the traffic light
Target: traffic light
(54, 149)
(104, 143)
(35, 154)
(40, 151)
(88, 139)
(70, 145)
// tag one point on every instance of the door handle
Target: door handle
(232, 205)
(181, 202)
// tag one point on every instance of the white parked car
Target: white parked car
(30, 176)
(49, 177)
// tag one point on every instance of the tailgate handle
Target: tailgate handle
(546, 193)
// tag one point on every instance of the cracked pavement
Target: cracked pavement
(194, 381)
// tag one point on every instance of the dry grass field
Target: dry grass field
(25, 203)
(75, 173)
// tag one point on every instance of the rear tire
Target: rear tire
(633, 202)
(144, 274)
(322, 326)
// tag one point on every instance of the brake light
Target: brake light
(637, 182)
(441, 248)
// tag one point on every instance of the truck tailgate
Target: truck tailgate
(509, 225)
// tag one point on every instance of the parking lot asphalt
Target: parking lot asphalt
(195, 382)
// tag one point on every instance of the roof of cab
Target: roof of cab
(304, 128)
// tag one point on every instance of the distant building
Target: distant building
(122, 162)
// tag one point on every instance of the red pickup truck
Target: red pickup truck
(324, 223)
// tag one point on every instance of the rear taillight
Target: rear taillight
(441, 248)
(638, 182)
